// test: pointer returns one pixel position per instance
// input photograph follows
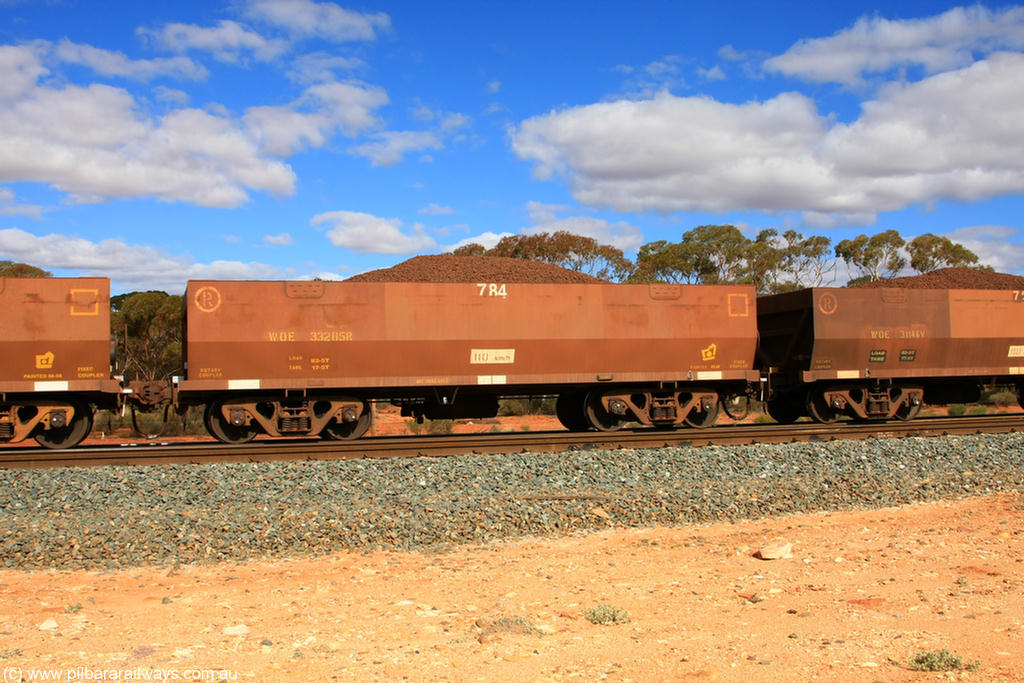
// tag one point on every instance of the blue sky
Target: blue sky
(153, 142)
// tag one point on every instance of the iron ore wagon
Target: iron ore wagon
(881, 353)
(306, 358)
(55, 358)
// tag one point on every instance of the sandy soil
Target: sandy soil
(862, 593)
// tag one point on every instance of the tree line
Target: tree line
(722, 254)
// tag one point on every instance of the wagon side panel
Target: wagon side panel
(55, 335)
(379, 335)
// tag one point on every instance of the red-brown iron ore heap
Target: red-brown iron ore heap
(953, 278)
(451, 268)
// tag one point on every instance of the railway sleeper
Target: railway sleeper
(239, 419)
(865, 403)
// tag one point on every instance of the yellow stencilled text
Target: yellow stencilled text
(899, 333)
(330, 336)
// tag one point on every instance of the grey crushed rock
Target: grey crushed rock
(106, 517)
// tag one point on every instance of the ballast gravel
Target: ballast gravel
(108, 517)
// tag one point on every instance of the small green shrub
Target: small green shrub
(977, 410)
(957, 408)
(1003, 399)
(941, 660)
(440, 426)
(606, 615)
(526, 406)
(430, 426)
(514, 625)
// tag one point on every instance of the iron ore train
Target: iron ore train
(307, 358)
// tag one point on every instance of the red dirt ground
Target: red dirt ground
(863, 593)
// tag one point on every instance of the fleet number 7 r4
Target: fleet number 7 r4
(492, 289)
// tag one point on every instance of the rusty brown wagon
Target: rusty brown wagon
(55, 358)
(881, 353)
(305, 358)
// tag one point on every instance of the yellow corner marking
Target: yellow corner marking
(739, 306)
(85, 301)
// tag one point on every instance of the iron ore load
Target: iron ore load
(305, 358)
(447, 337)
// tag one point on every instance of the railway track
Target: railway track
(170, 452)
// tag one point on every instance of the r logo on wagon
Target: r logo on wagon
(828, 304)
(207, 299)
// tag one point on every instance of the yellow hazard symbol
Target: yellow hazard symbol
(44, 361)
(709, 353)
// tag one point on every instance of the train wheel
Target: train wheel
(784, 411)
(736, 406)
(569, 411)
(223, 430)
(346, 431)
(908, 411)
(819, 409)
(71, 434)
(702, 419)
(599, 418)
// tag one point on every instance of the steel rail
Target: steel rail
(170, 452)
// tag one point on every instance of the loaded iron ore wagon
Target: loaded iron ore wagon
(305, 358)
(881, 353)
(55, 358)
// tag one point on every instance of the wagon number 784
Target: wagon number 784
(492, 289)
(1018, 295)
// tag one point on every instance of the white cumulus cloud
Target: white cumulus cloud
(954, 135)
(9, 207)
(549, 218)
(309, 121)
(433, 209)
(110, 63)
(999, 246)
(392, 146)
(228, 41)
(876, 44)
(366, 233)
(130, 267)
(282, 240)
(97, 142)
(325, 20)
